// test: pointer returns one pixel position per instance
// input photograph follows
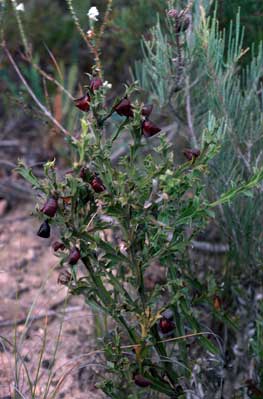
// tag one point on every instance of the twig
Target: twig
(189, 113)
(47, 76)
(32, 94)
(50, 313)
(210, 247)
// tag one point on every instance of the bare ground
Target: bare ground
(28, 285)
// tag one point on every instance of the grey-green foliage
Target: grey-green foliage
(219, 85)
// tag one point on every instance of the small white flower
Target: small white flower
(93, 13)
(107, 85)
(90, 34)
(20, 7)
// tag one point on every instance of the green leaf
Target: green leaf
(28, 175)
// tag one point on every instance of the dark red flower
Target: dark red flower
(149, 129)
(74, 256)
(64, 278)
(124, 108)
(44, 230)
(191, 154)
(141, 381)
(58, 245)
(97, 185)
(166, 325)
(50, 207)
(147, 110)
(83, 103)
(95, 84)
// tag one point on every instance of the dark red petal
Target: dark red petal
(124, 108)
(95, 84)
(97, 185)
(149, 129)
(50, 207)
(44, 230)
(147, 110)
(74, 256)
(83, 103)
(191, 154)
(141, 381)
(166, 325)
(58, 245)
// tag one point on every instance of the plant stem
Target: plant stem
(106, 298)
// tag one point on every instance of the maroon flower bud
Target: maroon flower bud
(64, 278)
(166, 325)
(149, 129)
(50, 207)
(95, 84)
(83, 103)
(74, 256)
(124, 108)
(191, 155)
(57, 245)
(141, 381)
(44, 230)
(97, 185)
(147, 110)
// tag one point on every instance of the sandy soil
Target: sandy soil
(28, 284)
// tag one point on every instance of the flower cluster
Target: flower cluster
(93, 14)
(123, 108)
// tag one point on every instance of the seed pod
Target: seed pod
(124, 108)
(97, 184)
(147, 110)
(191, 154)
(141, 381)
(74, 256)
(44, 230)
(149, 129)
(95, 84)
(50, 207)
(83, 103)
(64, 278)
(166, 326)
(57, 245)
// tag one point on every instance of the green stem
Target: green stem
(106, 298)
(160, 348)
(122, 125)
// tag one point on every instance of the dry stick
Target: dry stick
(106, 18)
(50, 313)
(47, 76)
(189, 114)
(39, 104)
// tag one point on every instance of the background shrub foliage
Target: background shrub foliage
(181, 336)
